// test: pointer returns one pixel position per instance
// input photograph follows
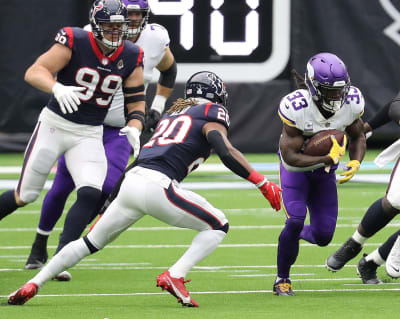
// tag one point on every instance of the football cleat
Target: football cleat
(367, 271)
(393, 260)
(23, 294)
(176, 287)
(37, 257)
(63, 276)
(339, 258)
(283, 287)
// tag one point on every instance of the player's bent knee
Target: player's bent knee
(224, 228)
(27, 197)
(89, 193)
(294, 225)
(391, 205)
(323, 239)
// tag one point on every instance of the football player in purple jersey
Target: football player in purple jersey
(183, 139)
(379, 214)
(326, 101)
(154, 40)
(90, 68)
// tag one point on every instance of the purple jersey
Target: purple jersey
(178, 145)
(101, 75)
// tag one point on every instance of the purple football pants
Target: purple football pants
(117, 152)
(315, 190)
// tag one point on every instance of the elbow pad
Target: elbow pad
(167, 77)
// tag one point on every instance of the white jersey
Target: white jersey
(153, 40)
(297, 109)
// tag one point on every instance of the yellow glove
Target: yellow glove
(350, 169)
(337, 151)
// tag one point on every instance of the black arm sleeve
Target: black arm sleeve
(217, 142)
(394, 110)
(167, 77)
(381, 117)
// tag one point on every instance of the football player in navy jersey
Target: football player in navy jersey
(90, 67)
(154, 40)
(183, 139)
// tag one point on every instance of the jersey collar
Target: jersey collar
(102, 58)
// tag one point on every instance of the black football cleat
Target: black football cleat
(283, 287)
(367, 271)
(37, 257)
(339, 258)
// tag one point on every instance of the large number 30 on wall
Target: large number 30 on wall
(241, 40)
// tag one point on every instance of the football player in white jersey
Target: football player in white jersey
(154, 40)
(327, 101)
(379, 214)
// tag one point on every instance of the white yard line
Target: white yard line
(230, 292)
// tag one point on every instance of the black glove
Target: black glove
(152, 118)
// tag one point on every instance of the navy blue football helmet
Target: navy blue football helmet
(109, 12)
(207, 85)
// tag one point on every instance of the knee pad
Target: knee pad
(44, 161)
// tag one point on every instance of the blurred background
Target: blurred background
(251, 44)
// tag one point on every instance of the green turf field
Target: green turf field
(233, 282)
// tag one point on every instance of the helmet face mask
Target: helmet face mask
(206, 85)
(328, 81)
(109, 21)
(136, 23)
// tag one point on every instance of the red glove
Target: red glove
(270, 190)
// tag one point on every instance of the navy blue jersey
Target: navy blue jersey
(101, 75)
(178, 145)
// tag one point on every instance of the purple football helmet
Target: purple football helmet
(207, 85)
(328, 81)
(109, 12)
(136, 26)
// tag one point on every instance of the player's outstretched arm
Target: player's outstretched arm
(232, 158)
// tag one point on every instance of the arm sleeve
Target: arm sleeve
(381, 117)
(217, 142)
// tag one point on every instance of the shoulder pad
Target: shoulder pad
(356, 101)
(216, 113)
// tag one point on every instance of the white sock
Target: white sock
(67, 257)
(202, 245)
(375, 256)
(359, 238)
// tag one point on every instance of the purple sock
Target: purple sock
(288, 247)
(54, 202)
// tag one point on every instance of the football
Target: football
(320, 144)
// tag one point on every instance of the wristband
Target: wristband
(159, 103)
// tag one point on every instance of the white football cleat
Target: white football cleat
(393, 260)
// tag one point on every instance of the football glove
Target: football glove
(152, 118)
(270, 190)
(66, 97)
(133, 135)
(337, 151)
(350, 169)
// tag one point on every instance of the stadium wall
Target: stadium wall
(365, 34)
